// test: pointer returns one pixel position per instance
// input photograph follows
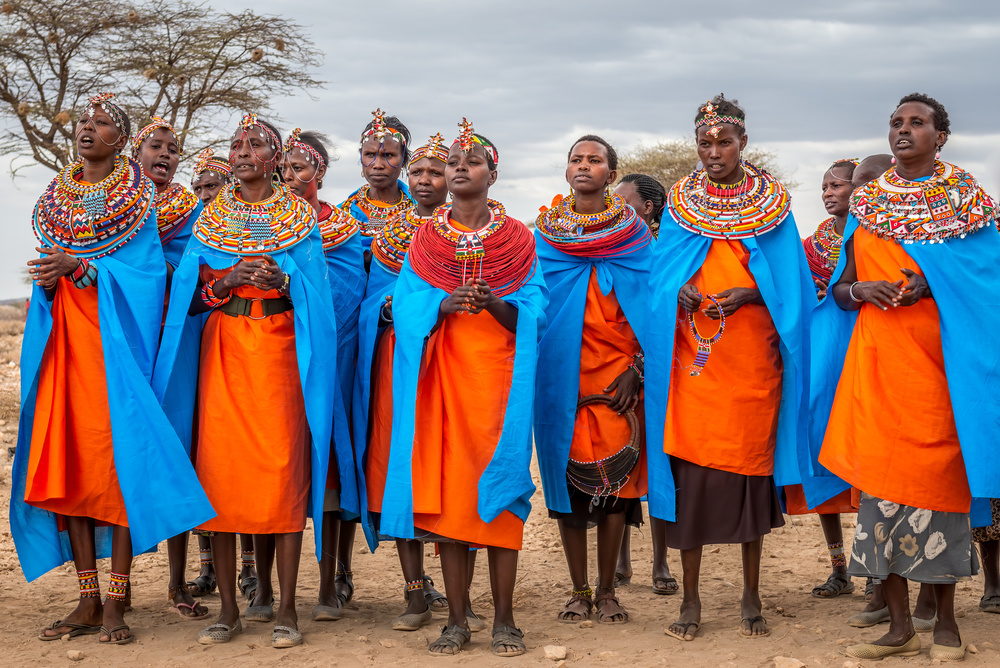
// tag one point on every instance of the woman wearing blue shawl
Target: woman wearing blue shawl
(93, 446)
(914, 421)
(467, 313)
(306, 160)
(251, 338)
(595, 253)
(726, 360)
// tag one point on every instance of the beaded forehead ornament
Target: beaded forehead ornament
(713, 119)
(208, 162)
(467, 137)
(247, 123)
(156, 123)
(313, 157)
(434, 148)
(103, 100)
(379, 130)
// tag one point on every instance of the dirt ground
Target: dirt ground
(810, 630)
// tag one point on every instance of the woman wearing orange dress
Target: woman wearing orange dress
(248, 365)
(909, 426)
(726, 361)
(95, 456)
(595, 252)
(467, 313)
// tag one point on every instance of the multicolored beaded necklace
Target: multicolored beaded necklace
(705, 343)
(502, 253)
(754, 206)
(92, 220)
(377, 213)
(615, 231)
(947, 205)
(335, 226)
(823, 249)
(173, 208)
(275, 224)
(390, 246)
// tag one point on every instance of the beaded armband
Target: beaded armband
(208, 295)
(84, 275)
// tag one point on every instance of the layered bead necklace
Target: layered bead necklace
(392, 243)
(377, 213)
(823, 249)
(335, 225)
(173, 208)
(615, 231)
(271, 225)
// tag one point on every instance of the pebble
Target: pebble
(787, 662)
(388, 644)
(555, 652)
(842, 641)
(561, 664)
(75, 655)
(587, 624)
(363, 550)
(607, 655)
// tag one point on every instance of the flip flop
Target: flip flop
(284, 637)
(219, 633)
(682, 636)
(751, 621)
(664, 589)
(121, 641)
(74, 630)
(193, 607)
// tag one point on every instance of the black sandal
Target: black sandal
(434, 599)
(248, 587)
(344, 578)
(451, 641)
(203, 585)
(508, 641)
(835, 585)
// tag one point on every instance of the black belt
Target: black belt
(238, 306)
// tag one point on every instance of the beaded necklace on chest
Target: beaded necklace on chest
(469, 246)
(826, 242)
(393, 241)
(567, 218)
(378, 213)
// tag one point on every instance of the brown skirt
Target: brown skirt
(583, 516)
(716, 506)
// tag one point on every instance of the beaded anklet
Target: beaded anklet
(89, 586)
(118, 587)
(84, 275)
(248, 558)
(837, 556)
(588, 592)
(208, 295)
(205, 555)
(414, 585)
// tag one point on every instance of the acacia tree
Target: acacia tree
(669, 162)
(182, 60)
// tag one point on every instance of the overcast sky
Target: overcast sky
(818, 81)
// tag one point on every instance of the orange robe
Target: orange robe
(845, 502)
(606, 350)
(892, 430)
(377, 464)
(461, 401)
(252, 441)
(727, 417)
(71, 470)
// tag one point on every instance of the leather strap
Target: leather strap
(238, 306)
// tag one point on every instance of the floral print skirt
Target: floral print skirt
(915, 543)
(992, 532)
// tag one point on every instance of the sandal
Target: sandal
(687, 631)
(450, 642)
(344, 578)
(622, 580)
(609, 618)
(283, 637)
(203, 585)
(120, 641)
(567, 616)
(195, 610)
(74, 630)
(750, 622)
(508, 641)
(435, 600)
(835, 585)
(990, 604)
(663, 586)
(219, 633)
(248, 586)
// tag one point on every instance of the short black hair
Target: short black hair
(396, 124)
(650, 190)
(318, 141)
(612, 154)
(847, 165)
(941, 120)
(724, 107)
(276, 131)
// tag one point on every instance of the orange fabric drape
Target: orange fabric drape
(606, 351)
(892, 430)
(461, 402)
(845, 502)
(377, 455)
(727, 417)
(252, 441)
(71, 470)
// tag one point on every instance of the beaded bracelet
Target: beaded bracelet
(637, 372)
(850, 293)
(208, 295)
(84, 275)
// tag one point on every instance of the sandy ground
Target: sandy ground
(807, 629)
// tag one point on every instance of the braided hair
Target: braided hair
(612, 154)
(941, 121)
(396, 124)
(650, 190)
(724, 107)
(847, 165)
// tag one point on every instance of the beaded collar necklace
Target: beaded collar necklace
(947, 205)
(377, 213)
(754, 206)
(615, 232)
(249, 228)
(390, 245)
(823, 249)
(173, 208)
(335, 226)
(92, 220)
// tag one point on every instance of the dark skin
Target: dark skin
(720, 152)
(302, 177)
(837, 189)
(206, 186)
(98, 142)
(914, 141)
(643, 207)
(381, 165)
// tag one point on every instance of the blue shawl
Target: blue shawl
(173, 250)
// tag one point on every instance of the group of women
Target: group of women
(241, 359)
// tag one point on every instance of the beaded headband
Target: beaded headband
(434, 148)
(208, 162)
(248, 122)
(103, 100)
(853, 161)
(467, 137)
(712, 118)
(156, 123)
(379, 130)
(312, 155)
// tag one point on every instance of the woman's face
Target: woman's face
(588, 170)
(381, 162)
(206, 186)
(836, 192)
(468, 173)
(720, 151)
(302, 176)
(251, 153)
(630, 194)
(427, 182)
(97, 136)
(159, 155)
(912, 136)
